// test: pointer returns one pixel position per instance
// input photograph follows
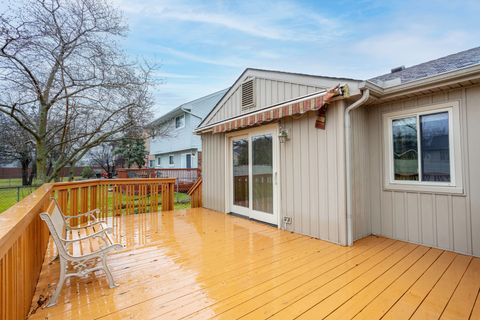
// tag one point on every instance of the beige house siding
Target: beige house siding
(360, 174)
(449, 221)
(267, 92)
(313, 176)
(213, 169)
(272, 87)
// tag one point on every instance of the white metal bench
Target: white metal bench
(83, 248)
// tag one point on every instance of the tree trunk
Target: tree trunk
(41, 162)
(33, 173)
(25, 180)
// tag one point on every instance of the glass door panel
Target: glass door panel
(240, 164)
(262, 173)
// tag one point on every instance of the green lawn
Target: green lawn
(18, 182)
(9, 195)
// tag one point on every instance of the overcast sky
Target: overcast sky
(203, 46)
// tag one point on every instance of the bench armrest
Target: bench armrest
(93, 235)
(90, 213)
(87, 225)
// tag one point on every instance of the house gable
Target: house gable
(269, 88)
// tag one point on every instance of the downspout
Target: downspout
(349, 169)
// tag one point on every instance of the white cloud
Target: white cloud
(281, 20)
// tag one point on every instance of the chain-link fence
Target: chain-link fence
(11, 195)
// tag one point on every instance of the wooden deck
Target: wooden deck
(200, 264)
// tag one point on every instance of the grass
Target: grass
(17, 182)
(9, 194)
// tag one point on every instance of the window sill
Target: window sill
(424, 189)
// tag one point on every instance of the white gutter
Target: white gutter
(190, 112)
(348, 153)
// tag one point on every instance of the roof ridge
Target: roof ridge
(300, 74)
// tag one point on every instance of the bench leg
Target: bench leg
(61, 280)
(111, 282)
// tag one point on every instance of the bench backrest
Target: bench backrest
(56, 224)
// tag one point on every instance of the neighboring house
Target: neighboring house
(176, 146)
(398, 155)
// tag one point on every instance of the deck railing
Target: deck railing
(185, 178)
(195, 194)
(24, 237)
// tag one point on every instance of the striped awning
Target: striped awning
(300, 106)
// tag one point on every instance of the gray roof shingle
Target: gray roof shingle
(431, 68)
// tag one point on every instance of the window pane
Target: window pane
(179, 121)
(240, 172)
(405, 149)
(262, 170)
(435, 147)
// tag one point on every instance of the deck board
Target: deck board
(200, 264)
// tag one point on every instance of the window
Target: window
(422, 147)
(180, 122)
(159, 161)
(171, 160)
(151, 163)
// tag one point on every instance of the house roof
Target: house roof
(431, 68)
(199, 107)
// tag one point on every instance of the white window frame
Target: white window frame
(159, 161)
(171, 163)
(456, 182)
(175, 121)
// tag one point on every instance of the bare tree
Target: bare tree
(65, 81)
(104, 157)
(16, 145)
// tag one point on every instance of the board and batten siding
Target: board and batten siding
(213, 171)
(267, 92)
(448, 221)
(312, 174)
(360, 174)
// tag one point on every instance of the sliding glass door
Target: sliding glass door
(253, 176)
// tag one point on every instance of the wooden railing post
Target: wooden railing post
(195, 194)
(172, 196)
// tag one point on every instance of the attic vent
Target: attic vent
(397, 69)
(248, 94)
